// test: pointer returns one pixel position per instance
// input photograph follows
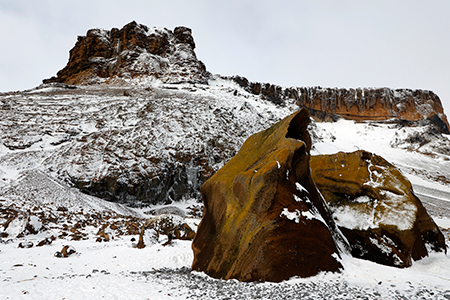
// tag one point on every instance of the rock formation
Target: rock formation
(135, 51)
(264, 218)
(171, 225)
(127, 133)
(376, 209)
(361, 104)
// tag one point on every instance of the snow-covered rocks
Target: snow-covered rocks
(376, 209)
(153, 143)
(170, 225)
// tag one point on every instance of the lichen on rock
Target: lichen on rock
(264, 219)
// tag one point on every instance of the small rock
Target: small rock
(66, 251)
(25, 244)
(46, 241)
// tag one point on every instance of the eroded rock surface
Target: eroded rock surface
(264, 218)
(360, 104)
(135, 51)
(376, 209)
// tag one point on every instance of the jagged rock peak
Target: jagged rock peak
(360, 104)
(134, 53)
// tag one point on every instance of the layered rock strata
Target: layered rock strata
(360, 104)
(376, 209)
(135, 51)
(264, 219)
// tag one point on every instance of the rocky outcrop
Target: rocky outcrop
(360, 104)
(138, 53)
(264, 218)
(173, 226)
(133, 52)
(376, 209)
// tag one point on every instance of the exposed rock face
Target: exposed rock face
(136, 145)
(264, 218)
(361, 104)
(375, 207)
(135, 51)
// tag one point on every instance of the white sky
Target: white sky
(329, 43)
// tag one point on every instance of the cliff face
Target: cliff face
(361, 104)
(139, 53)
(116, 55)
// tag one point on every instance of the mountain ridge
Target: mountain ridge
(155, 135)
(358, 104)
(137, 52)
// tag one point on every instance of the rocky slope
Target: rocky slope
(143, 144)
(135, 117)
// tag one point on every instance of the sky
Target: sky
(328, 43)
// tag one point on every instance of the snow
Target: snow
(300, 188)
(60, 128)
(96, 271)
(366, 214)
(116, 270)
(298, 215)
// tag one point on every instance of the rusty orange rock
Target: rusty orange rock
(264, 218)
(116, 55)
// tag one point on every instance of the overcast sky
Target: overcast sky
(333, 43)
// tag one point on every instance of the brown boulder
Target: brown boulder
(376, 209)
(263, 216)
(66, 251)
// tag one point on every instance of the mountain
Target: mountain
(360, 104)
(135, 118)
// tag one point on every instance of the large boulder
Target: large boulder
(264, 219)
(376, 209)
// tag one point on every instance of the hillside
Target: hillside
(135, 124)
(135, 117)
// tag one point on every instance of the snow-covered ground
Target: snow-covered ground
(115, 269)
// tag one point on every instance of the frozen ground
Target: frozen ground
(115, 269)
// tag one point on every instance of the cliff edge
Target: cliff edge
(133, 52)
(360, 104)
